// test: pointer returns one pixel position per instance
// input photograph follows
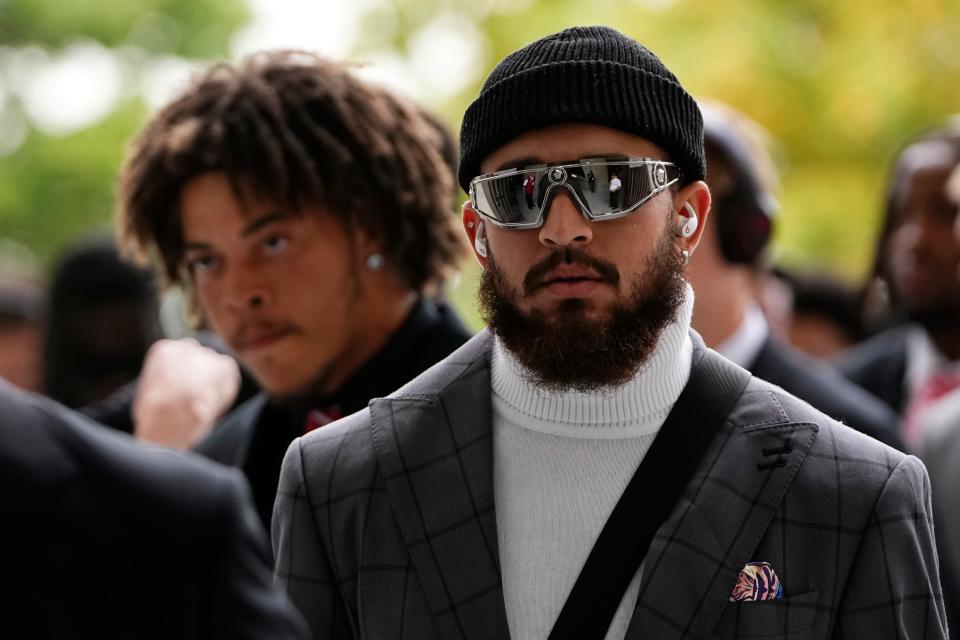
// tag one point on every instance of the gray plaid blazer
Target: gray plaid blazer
(384, 525)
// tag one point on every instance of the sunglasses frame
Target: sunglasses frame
(559, 176)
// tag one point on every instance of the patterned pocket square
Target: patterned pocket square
(757, 581)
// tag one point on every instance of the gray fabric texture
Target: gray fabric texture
(940, 451)
(384, 525)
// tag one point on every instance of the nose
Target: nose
(565, 225)
(246, 289)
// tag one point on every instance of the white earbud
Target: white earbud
(480, 241)
(688, 223)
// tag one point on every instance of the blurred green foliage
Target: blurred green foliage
(839, 85)
(55, 189)
(188, 28)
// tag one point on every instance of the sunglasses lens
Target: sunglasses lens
(512, 199)
(611, 188)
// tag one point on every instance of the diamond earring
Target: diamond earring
(374, 262)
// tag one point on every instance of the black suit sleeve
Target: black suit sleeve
(246, 604)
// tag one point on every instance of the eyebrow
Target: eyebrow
(265, 221)
(251, 228)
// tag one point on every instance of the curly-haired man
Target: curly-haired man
(306, 211)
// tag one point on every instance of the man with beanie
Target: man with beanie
(586, 468)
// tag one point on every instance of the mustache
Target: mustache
(245, 330)
(569, 255)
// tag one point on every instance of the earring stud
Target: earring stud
(686, 257)
(374, 262)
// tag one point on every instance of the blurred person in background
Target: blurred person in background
(306, 211)
(826, 317)
(741, 176)
(940, 451)
(105, 539)
(22, 301)
(912, 365)
(775, 298)
(102, 316)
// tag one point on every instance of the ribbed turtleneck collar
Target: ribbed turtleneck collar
(638, 407)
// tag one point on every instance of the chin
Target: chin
(575, 308)
(304, 387)
(281, 387)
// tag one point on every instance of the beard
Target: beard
(566, 349)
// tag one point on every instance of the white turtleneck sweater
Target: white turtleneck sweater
(561, 462)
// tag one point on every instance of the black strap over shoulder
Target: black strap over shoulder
(714, 386)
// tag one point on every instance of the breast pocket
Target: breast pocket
(781, 618)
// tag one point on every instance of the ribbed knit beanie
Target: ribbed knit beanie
(592, 75)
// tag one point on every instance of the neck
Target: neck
(378, 315)
(721, 302)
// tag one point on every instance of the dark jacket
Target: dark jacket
(385, 524)
(255, 435)
(879, 365)
(826, 390)
(105, 538)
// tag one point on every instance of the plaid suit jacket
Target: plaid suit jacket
(384, 525)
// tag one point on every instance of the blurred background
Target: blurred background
(838, 85)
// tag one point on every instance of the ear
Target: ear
(364, 245)
(697, 195)
(472, 222)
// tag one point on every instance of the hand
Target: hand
(183, 389)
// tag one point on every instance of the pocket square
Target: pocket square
(757, 581)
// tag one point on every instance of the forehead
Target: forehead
(565, 141)
(921, 174)
(926, 160)
(213, 196)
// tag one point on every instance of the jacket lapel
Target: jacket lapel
(695, 558)
(433, 442)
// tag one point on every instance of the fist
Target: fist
(183, 389)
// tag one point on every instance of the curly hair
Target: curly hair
(299, 130)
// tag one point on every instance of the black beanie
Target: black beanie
(592, 75)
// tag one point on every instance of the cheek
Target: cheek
(949, 243)
(897, 243)
(515, 252)
(631, 247)
(206, 300)
(913, 242)
(321, 294)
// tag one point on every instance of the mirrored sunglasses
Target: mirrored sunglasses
(603, 188)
